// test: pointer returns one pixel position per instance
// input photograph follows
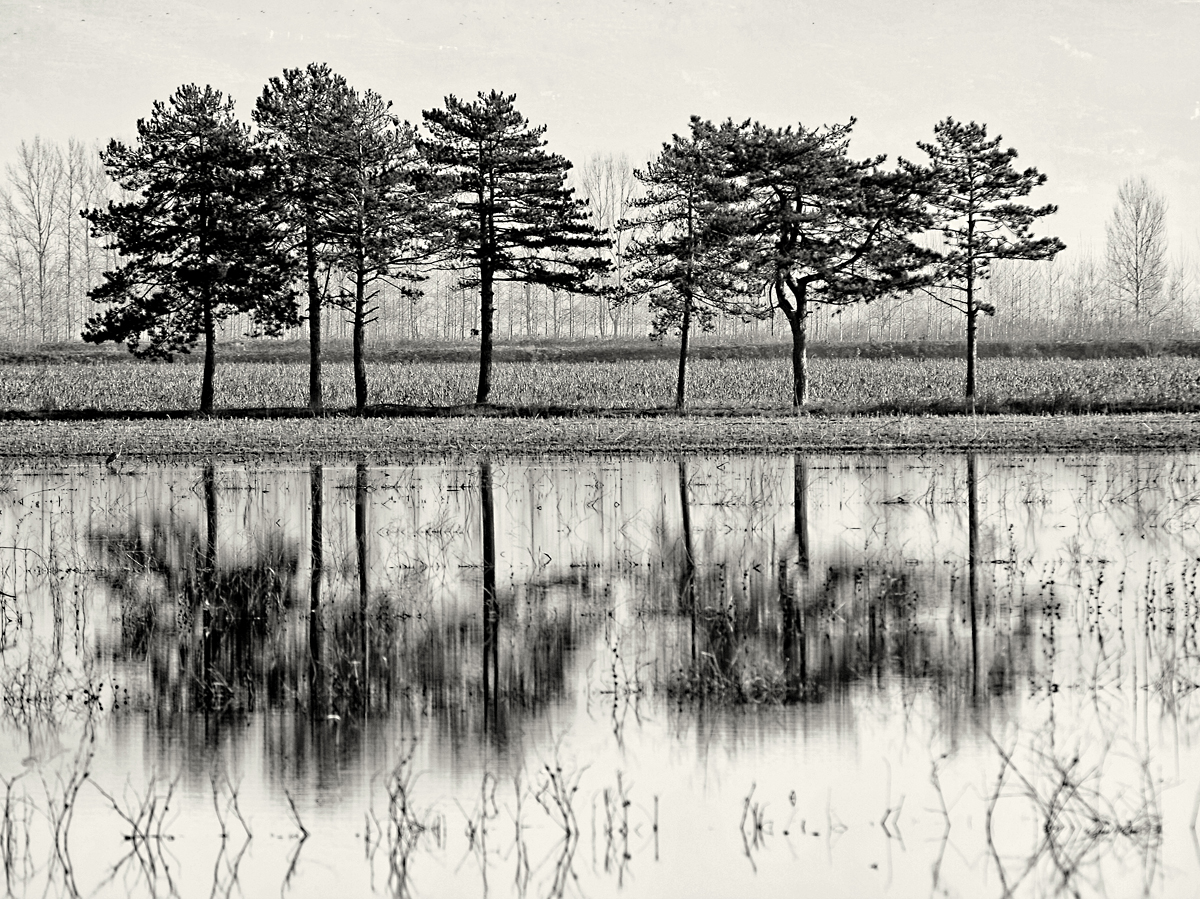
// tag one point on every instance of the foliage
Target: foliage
(820, 228)
(975, 184)
(304, 119)
(513, 217)
(608, 183)
(198, 236)
(682, 254)
(375, 230)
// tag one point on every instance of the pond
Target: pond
(702, 676)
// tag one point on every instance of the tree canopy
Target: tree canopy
(512, 216)
(199, 235)
(384, 216)
(304, 118)
(819, 228)
(681, 256)
(1136, 248)
(974, 186)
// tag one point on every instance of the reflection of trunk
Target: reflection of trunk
(973, 567)
(800, 496)
(360, 539)
(210, 515)
(491, 608)
(791, 605)
(209, 574)
(687, 577)
(316, 668)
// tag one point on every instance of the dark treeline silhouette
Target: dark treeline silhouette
(332, 203)
(49, 260)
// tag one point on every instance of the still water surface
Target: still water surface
(833, 676)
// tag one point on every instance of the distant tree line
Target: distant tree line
(330, 215)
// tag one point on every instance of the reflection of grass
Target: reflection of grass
(739, 683)
(1080, 815)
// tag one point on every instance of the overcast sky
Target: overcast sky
(1090, 93)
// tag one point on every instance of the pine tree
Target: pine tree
(974, 186)
(681, 256)
(305, 119)
(199, 238)
(820, 228)
(513, 217)
(376, 232)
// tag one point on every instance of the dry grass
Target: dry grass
(838, 385)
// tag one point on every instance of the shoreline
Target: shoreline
(591, 435)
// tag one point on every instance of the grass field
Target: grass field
(839, 385)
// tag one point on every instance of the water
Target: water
(714, 676)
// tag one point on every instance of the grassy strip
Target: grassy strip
(912, 386)
(469, 436)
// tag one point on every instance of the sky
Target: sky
(1089, 93)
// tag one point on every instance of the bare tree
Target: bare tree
(35, 219)
(77, 254)
(608, 184)
(1137, 248)
(14, 256)
(1179, 292)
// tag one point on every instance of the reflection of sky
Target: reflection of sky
(1096, 657)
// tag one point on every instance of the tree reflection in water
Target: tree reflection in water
(810, 633)
(203, 627)
(226, 631)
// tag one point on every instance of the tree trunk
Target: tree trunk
(798, 320)
(486, 303)
(972, 313)
(972, 352)
(685, 329)
(360, 327)
(315, 400)
(210, 360)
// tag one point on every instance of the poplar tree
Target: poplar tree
(1136, 249)
(198, 239)
(974, 185)
(512, 216)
